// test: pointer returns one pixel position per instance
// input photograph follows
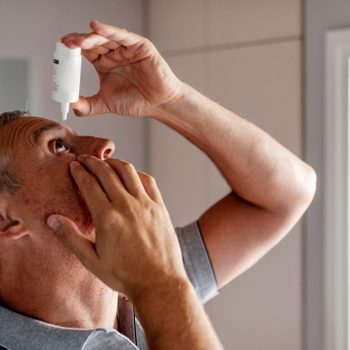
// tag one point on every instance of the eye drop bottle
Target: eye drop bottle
(66, 76)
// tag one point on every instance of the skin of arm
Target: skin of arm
(136, 252)
(271, 187)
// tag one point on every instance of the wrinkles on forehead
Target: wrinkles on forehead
(12, 133)
(24, 130)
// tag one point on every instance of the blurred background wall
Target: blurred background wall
(248, 56)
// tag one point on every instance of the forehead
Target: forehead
(27, 129)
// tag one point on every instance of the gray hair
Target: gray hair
(8, 117)
(8, 179)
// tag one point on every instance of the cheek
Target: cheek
(55, 193)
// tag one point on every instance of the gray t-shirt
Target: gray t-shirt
(18, 332)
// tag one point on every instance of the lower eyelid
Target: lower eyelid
(65, 144)
(70, 147)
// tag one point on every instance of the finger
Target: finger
(92, 44)
(90, 189)
(117, 34)
(64, 37)
(128, 175)
(90, 55)
(100, 50)
(87, 106)
(107, 177)
(112, 45)
(83, 248)
(85, 41)
(150, 185)
(95, 52)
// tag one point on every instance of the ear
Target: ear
(10, 228)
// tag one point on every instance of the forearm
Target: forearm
(257, 167)
(173, 318)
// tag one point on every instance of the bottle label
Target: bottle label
(66, 78)
(55, 86)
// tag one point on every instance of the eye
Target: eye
(59, 146)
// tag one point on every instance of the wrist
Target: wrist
(173, 317)
(172, 104)
(165, 290)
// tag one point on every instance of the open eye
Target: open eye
(59, 146)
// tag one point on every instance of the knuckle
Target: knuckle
(151, 180)
(107, 219)
(150, 208)
(147, 177)
(111, 215)
(128, 208)
(153, 213)
(148, 43)
(128, 168)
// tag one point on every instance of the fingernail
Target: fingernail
(74, 164)
(82, 157)
(70, 42)
(53, 223)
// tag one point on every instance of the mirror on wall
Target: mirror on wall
(14, 81)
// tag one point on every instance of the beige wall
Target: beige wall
(245, 54)
(29, 29)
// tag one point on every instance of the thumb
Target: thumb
(86, 106)
(83, 248)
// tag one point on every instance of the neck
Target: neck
(69, 298)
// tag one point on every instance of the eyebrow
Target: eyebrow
(39, 131)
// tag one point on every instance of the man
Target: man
(116, 222)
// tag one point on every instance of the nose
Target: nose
(107, 150)
(98, 147)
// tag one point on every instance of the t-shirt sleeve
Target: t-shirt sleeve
(197, 262)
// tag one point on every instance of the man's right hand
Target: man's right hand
(137, 253)
(136, 248)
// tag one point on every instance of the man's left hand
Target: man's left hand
(134, 77)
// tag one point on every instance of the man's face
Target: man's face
(42, 152)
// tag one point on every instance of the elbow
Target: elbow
(309, 186)
(304, 191)
(299, 193)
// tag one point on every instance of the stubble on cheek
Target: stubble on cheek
(61, 198)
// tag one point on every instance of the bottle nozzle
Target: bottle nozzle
(64, 110)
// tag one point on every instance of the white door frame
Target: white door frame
(336, 207)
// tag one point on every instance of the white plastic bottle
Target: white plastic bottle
(66, 76)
